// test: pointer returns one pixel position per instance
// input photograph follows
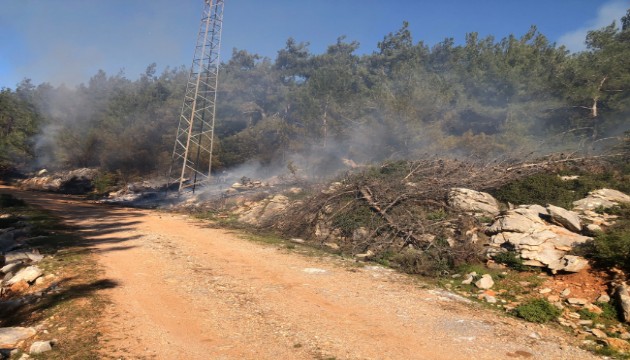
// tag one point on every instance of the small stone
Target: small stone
(603, 298)
(566, 292)
(535, 335)
(585, 322)
(490, 299)
(599, 334)
(485, 282)
(332, 246)
(577, 301)
(593, 308)
(365, 255)
(39, 347)
(593, 228)
(455, 276)
(553, 298)
(298, 241)
(625, 336)
(468, 280)
(573, 315)
(544, 291)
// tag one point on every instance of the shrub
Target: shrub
(103, 182)
(612, 248)
(587, 314)
(538, 311)
(609, 311)
(550, 189)
(438, 259)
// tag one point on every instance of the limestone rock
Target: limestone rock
(623, 298)
(603, 298)
(28, 274)
(620, 345)
(10, 336)
(39, 347)
(605, 198)
(365, 255)
(14, 256)
(471, 200)
(519, 220)
(593, 308)
(577, 301)
(485, 282)
(265, 210)
(537, 242)
(468, 279)
(569, 219)
(599, 334)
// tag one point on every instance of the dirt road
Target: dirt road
(188, 291)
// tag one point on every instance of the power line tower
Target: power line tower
(191, 163)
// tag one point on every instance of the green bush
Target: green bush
(609, 311)
(438, 259)
(586, 314)
(550, 189)
(612, 248)
(103, 182)
(538, 311)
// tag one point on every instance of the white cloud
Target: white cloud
(606, 14)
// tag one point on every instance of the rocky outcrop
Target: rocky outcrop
(568, 219)
(261, 212)
(588, 208)
(602, 198)
(473, 201)
(539, 242)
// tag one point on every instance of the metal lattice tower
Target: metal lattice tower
(192, 154)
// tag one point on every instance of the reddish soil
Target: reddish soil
(189, 291)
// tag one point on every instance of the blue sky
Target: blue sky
(67, 41)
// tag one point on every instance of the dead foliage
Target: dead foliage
(399, 212)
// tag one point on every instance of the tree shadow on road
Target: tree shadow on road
(31, 308)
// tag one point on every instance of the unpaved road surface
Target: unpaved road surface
(188, 291)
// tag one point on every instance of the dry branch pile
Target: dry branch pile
(400, 209)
